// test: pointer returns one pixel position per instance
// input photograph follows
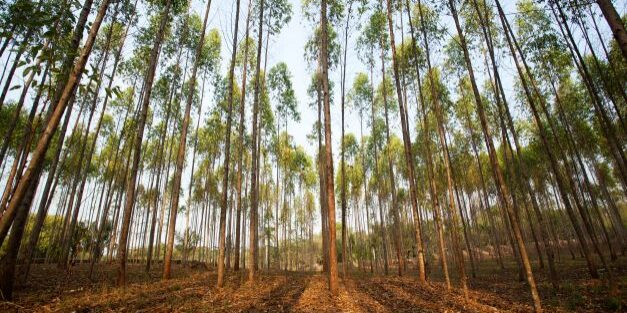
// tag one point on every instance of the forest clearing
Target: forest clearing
(313, 156)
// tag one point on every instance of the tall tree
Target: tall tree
(180, 156)
(31, 176)
(240, 138)
(329, 185)
(227, 154)
(131, 182)
(254, 188)
(407, 148)
(497, 172)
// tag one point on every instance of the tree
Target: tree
(407, 149)
(227, 155)
(30, 178)
(616, 24)
(254, 188)
(330, 189)
(137, 142)
(242, 109)
(180, 157)
(498, 176)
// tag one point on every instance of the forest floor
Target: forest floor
(192, 289)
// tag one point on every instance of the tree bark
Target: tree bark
(137, 144)
(330, 189)
(616, 24)
(254, 188)
(25, 189)
(227, 158)
(496, 167)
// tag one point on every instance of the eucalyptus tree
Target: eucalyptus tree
(254, 188)
(564, 182)
(22, 18)
(227, 156)
(608, 128)
(370, 38)
(362, 6)
(128, 17)
(112, 39)
(616, 24)
(114, 144)
(245, 59)
(315, 92)
(209, 64)
(613, 131)
(281, 91)
(359, 98)
(312, 57)
(431, 32)
(183, 37)
(324, 64)
(180, 157)
(168, 8)
(25, 23)
(28, 135)
(389, 103)
(497, 171)
(353, 184)
(63, 78)
(25, 189)
(274, 15)
(407, 147)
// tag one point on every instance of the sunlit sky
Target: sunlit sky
(288, 47)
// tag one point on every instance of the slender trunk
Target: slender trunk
(395, 206)
(25, 189)
(240, 145)
(382, 226)
(69, 78)
(342, 145)
(42, 209)
(542, 131)
(180, 157)
(254, 188)
(227, 157)
(496, 167)
(137, 143)
(333, 281)
(521, 166)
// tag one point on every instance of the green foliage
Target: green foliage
(360, 96)
(280, 83)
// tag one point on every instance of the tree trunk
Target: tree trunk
(240, 145)
(137, 143)
(615, 22)
(342, 162)
(25, 189)
(180, 157)
(496, 167)
(227, 158)
(324, 61)
(254, 188)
